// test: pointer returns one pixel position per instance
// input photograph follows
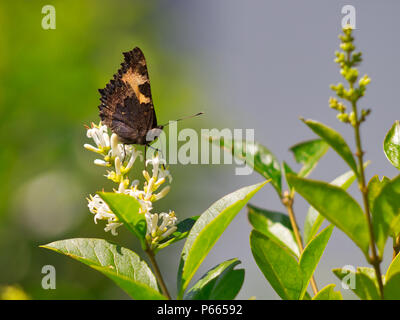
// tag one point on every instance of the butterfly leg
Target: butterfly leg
(158, 150)
(123, 159)
(145, 156)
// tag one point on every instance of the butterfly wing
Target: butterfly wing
(126, 103)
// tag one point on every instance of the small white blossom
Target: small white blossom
(118, 166)
(101, 163)
(120, 159)
(132, 154)
(99, 208)
(155, 162)
(91, 148)
(162, 193)
(157, 232)
(115, 147)
(100, 137)
(112, 226)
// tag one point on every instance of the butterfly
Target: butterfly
(126, 103)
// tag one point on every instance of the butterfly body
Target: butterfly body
(126, 103)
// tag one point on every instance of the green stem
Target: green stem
(374, 259)
(157, 273)
(288, 203)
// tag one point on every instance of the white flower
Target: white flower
(99, 208)
(120, 158)
(115, 147)
(158, 232)
(118, 166)
(99, 134)
(165, 174)
(101, 211)
(112, 226)
(162, 193)
(132, 154)
(91, 148)
(139, 195)
(101, 163)
(155, 162)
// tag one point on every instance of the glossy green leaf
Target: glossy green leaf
(256, 156)
(335, 140)
(394, 268)
(386, 213)
(365, 285)
(312, 224)
(222, 282)
(287, 169)
(374, 188)
(337, 206)
(121, 265)
(391, 288)
(328, 293)
(312, 254)
(313, 219)
(309, 153)
(391, 145)
(207, 230)
(182, 231)
(126, 208)
(278, 265)
(274, 225)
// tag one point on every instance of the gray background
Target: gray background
(263, 64)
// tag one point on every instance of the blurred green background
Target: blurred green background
(48, 91)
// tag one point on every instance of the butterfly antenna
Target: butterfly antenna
(184, 118)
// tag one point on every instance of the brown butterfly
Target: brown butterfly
(126, 103)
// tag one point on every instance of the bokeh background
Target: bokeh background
(246, 64)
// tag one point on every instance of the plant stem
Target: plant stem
(157, 273)
(288, 203)
(374, 259)
(396, 246)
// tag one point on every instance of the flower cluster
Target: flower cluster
(348, 60)
(120, 158)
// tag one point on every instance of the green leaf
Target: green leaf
(286, 170)
(313, 219)
(365, 285)
(335, 140)
(312, 254)
(182, 231)
(219, 283)
(121, 265)
(256, 156)
(309, 153)
(394, 268)
(278, 265)
(337, 206)
(126, 208)
(274, 225)
(386, 213)
(391, 145)
(207, 230)
(312, 224)
(391, 288)
(374, 188)
(328, 293)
